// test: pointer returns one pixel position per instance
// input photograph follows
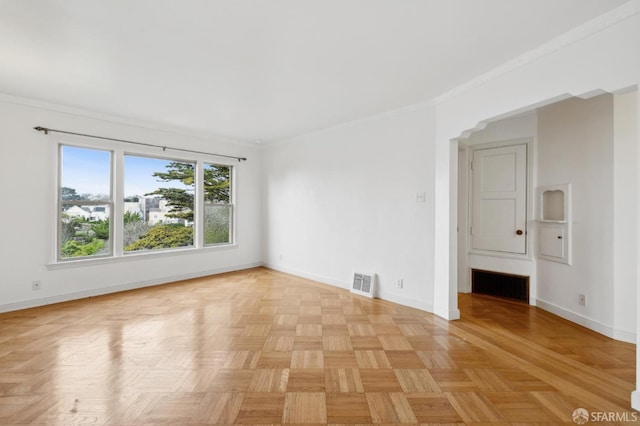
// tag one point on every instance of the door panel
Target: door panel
(499, 199)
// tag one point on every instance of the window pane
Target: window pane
(85, 174)
(84, 230)
(217, 223)
(85, 202)
(218, 211)
(158, 204)
(217, 183)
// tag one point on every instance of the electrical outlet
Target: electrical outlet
(582, 300)
(400, 283)
(36, 285)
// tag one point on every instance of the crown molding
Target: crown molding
(581, 32)
(148, 125)
(353, 123)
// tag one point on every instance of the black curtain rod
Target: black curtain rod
(164, 148)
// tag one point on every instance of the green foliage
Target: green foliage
(131, 217)
(77, 249)
(69, 226)
(68, 194)
(217, 235)
(100, 229)
(163, 236)
(180, 200)
(217, 180)
(79, 237)
(217, 184)
(216, 224)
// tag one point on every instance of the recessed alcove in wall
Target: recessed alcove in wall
(553, 205)
(554, 223)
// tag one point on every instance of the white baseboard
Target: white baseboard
(624, 336)
(33, 303)
(381, 294)
(447, 313)
(308, 275)
(423, 305)
(589, 323)
(635, 399)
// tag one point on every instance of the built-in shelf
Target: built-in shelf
(554, 223)
(553, 204)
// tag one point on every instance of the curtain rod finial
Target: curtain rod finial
(42, 129)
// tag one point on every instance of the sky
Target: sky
(87, 171)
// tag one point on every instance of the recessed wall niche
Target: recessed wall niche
(554, 223)
(553, 205)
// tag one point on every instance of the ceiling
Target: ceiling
(264, 69)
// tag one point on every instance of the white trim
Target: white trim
(581, 32)
(624, 336)
(423, 305)
(447, 313)
(136, 256)
(635, 399)
(584, 321)
(33, 303)
(352, 123)
(310, 276)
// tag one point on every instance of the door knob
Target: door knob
(519, 232)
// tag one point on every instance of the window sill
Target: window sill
(136, 257)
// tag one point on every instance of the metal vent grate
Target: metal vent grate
(363, 284)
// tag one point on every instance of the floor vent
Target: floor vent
(363, 284)
(501, 285)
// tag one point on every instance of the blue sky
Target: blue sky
(87, 171)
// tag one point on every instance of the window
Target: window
(163, 203)
(158, 204)
(218, 210)
(84, 203)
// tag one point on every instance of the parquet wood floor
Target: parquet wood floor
(262, 347)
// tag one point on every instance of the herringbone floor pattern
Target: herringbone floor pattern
(261, 347)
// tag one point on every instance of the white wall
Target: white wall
(575, 145)
(26, 174)
(344, 200)
(506, 130)
(625, 214)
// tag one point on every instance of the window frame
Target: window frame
(117, 151)
(230, 204)
(195, 203)
(60, 203)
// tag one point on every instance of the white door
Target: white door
(499, 200)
